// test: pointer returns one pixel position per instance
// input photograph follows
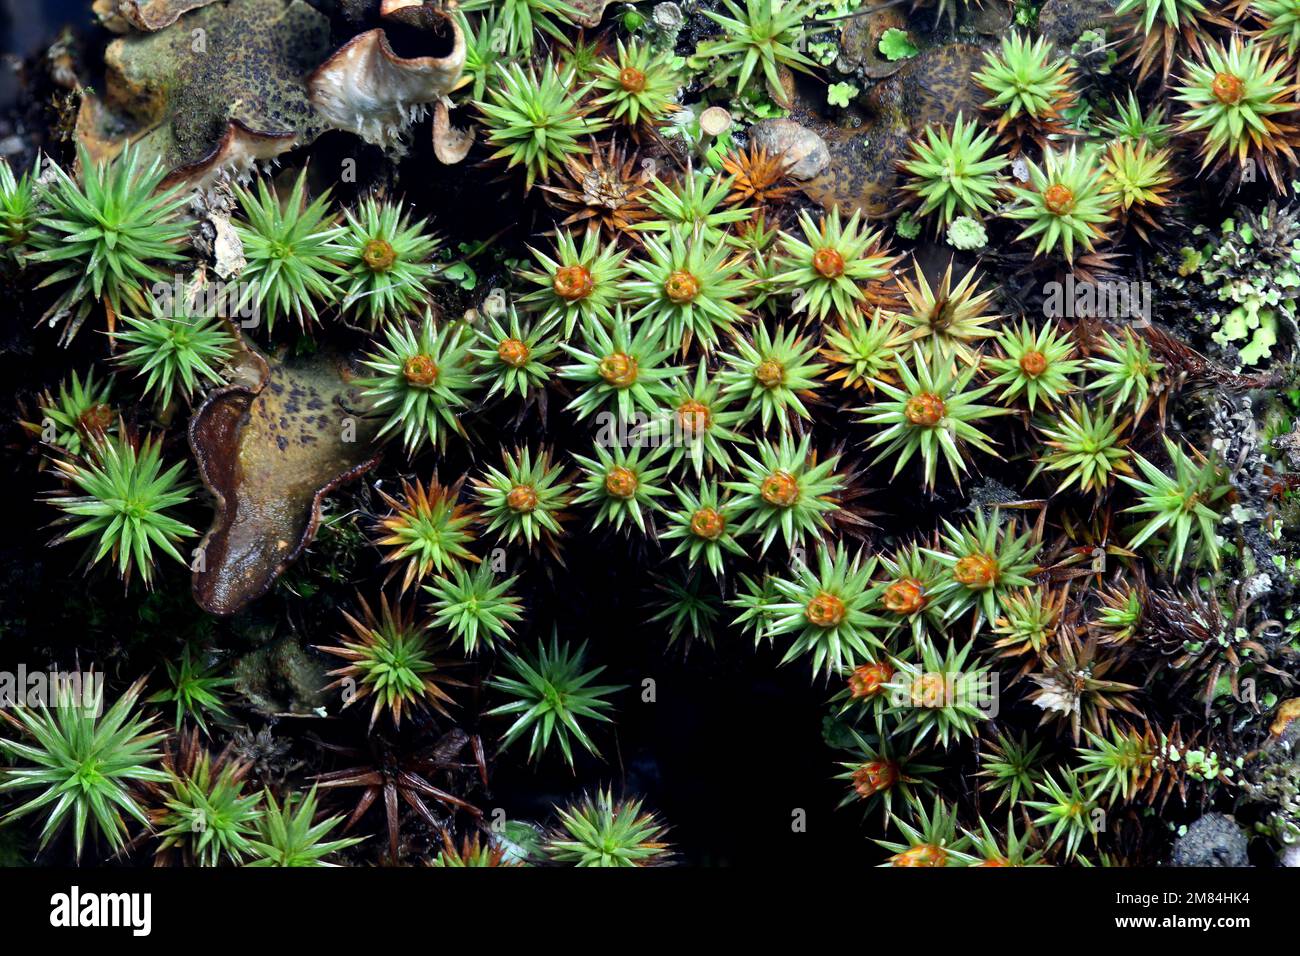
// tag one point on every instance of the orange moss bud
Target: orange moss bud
(926, 409)
(618, 369)
(780, 488)
(708, 523)
(378, 255)
(905, 596)
(828, 263)
(825, 610)
(572, 283)
(522, 498)
(420, 371)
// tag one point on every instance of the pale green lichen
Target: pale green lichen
(967, 234)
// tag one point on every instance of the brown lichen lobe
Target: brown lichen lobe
(270, 453)
(219, 88)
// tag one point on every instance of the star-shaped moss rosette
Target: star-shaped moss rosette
(604, 189)
(178, 349)
(270, 449)
(524, 500)
(1064, 204)
(929, 837)
(827, 612)
(1237, 104)
(107, 235)
(1125, 370)
(623, 366)
(687, 287)
(221, 88)
(622, 484)
(864, 696)
(1029, 622)
(291, 251)
(123, 504)
(912, 587)
(1066, 812)
(195, 689)
(1128, 122)
(85, 762)
(421, 382)
(578, 282)
(552, 699)
(879, 771)
(1076, 687)
(759, 38)
(80, 412)
(932, 413)
(599, 831)
(949, 320)
(203, 816)
(1141, 177)
(954, 172)
(828, 271)
(986, 560)
(536, 118)
(785, 491)
(940, 696)
(1034, 364)
(1178, 505)
(699, 424)
(1029, 91)
(772, 375)
(702, 527)
(392, 658)
(694, 202)
(513, 357)
(386, 262)
(428, 528)
(762, 178)
(636, 84)
(687, 608)
(1010, 766)
(292, 836)
(1087, 444)
(862, 350)
(476, 607)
